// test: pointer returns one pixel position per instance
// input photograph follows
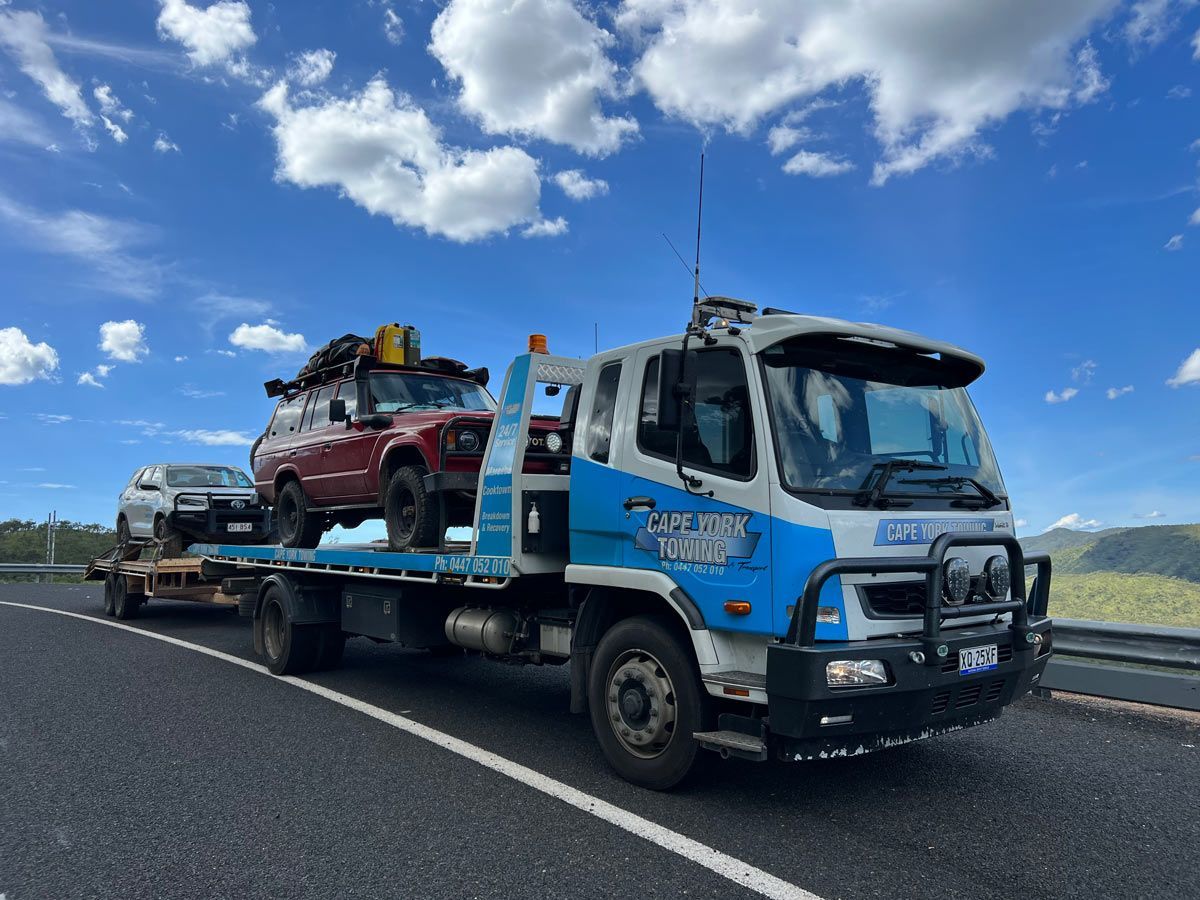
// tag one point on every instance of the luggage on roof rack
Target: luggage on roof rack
(338, 351)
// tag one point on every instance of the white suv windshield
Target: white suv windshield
(206, 476)
(402, 391)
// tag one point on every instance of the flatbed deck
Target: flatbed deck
(178, 578)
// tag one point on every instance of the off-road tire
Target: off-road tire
(409, 510)
(125, 605)
(288, 649)
(297, 526)
(170, 539)
(109, 592)
(124, 535)
(656, 639)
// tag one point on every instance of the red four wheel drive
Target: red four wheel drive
(363, 439)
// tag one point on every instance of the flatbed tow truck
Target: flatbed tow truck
(779, 535)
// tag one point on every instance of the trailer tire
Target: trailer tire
(646, 701)
(408, 511)
(296, 525)
(331, 644)
(289, 649)
(110, 588)
(125, 605)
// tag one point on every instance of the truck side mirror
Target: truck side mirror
(673, 388)
(337, 410)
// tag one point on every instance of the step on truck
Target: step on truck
(776, 536)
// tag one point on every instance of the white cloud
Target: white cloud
(1075, 522)
(1153, 514)
(124, 341)
(1020, 523)
(56, 486)
(87, 378)
(532, 68)
(1090, 82)
(1114, 392)
(1194, 219)
(546, 228)
(110, 104)
(21, 360)
(164, 144)
(266, 337)
(52, 418)
(115, 131)
(1179, 92)
(26, 38)
(1084, 371)
(818, 165)
(181, 359)
(218, 438)
(1175, 243)
(1150, 21)
(1189, 371)
(393, 25)
(312, 67)
(936, 73)
(189, 390)
(381, 150)
(1196, 45)
(578, 186)
(211, 35)
(1062, 396)
(228, 353)
(21, 126)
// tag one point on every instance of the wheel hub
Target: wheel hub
(641, 703)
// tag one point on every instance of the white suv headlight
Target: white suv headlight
(855, 672)
(193, 501)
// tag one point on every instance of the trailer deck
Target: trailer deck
(180, 578)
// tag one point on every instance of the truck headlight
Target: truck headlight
(855, 672)
(194, 502)
(468, 441)
(956, 579)
(997, 576)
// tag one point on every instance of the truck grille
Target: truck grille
(897, 599)
(968, 695)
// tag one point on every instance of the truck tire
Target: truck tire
(409, 511)
(646, 702)
(125, 605)
(331, 644)
(297, 526)
(170, 539)
(110, 589)
(289, 649)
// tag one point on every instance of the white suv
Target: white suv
(173, 502)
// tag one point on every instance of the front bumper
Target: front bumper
(213, 524)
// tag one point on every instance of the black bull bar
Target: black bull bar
(803, 624)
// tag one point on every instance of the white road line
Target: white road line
(726, 866)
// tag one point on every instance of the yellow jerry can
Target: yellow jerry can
(398, 344)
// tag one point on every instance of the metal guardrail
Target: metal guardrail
(1133, 646)
(40, 569)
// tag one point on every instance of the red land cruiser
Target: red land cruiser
(371, 440)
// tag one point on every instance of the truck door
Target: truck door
(716, 548)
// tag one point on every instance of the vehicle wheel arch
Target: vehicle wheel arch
(305, 604)
(396, 455)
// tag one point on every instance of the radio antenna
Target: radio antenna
(699, 218)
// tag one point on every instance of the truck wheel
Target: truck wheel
(409, 511)
(110, 590)
(125, 604)
(297, 526)
(646, 702)
(171, 540)
(289, 649)
(331, 644)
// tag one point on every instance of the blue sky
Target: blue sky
(191, 193)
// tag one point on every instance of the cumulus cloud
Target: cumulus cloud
(266, 337)
(1075, 522)
(1114, 392)
(1175, 243)
(209, 35)
(578, 186)
(936, 74)
(818, 165)
(1153, 514)
(1084, 371)
(393, 25)
(1150, 21)
(218, 438)
(164, 144)
(22, 361)
(532, 67)
(312, 67)
(94, 378)
(1188, 372)
(25, 37)
(124, 341)
(546, 228)
(1062, 396)
(381, 150)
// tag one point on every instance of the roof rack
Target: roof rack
(365, 363)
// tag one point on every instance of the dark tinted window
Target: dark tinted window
(287, 416)
(718, 434)
(318, 410)
(600, 422)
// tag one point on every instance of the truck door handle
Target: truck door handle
(632, 503)
(328, 445)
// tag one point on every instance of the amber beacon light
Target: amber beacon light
(537, 344)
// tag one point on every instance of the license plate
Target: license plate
(246, 526)
(978, 659)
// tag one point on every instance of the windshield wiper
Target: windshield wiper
(403, 407)
(873, 495)
(987, 499)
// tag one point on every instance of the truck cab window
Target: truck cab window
(604, 403)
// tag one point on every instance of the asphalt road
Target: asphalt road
(134, 768)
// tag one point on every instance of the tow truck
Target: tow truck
(776, 535)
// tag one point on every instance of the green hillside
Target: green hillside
(1118, 597)
(24, 541)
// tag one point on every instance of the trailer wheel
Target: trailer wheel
(408, 510)
(289, 649)
(331, 644)
(110, 589)
(646, 702)
(125, 604)
(297, 526)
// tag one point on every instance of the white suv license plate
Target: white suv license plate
(247, 526)
(978, 659)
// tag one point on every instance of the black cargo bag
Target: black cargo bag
(338, 351)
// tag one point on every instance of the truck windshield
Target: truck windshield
(207, 476)
(839, 414)
(402, 391)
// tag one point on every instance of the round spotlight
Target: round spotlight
(957, 580)
(554, 442)
(468, 441)
(997, 576)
